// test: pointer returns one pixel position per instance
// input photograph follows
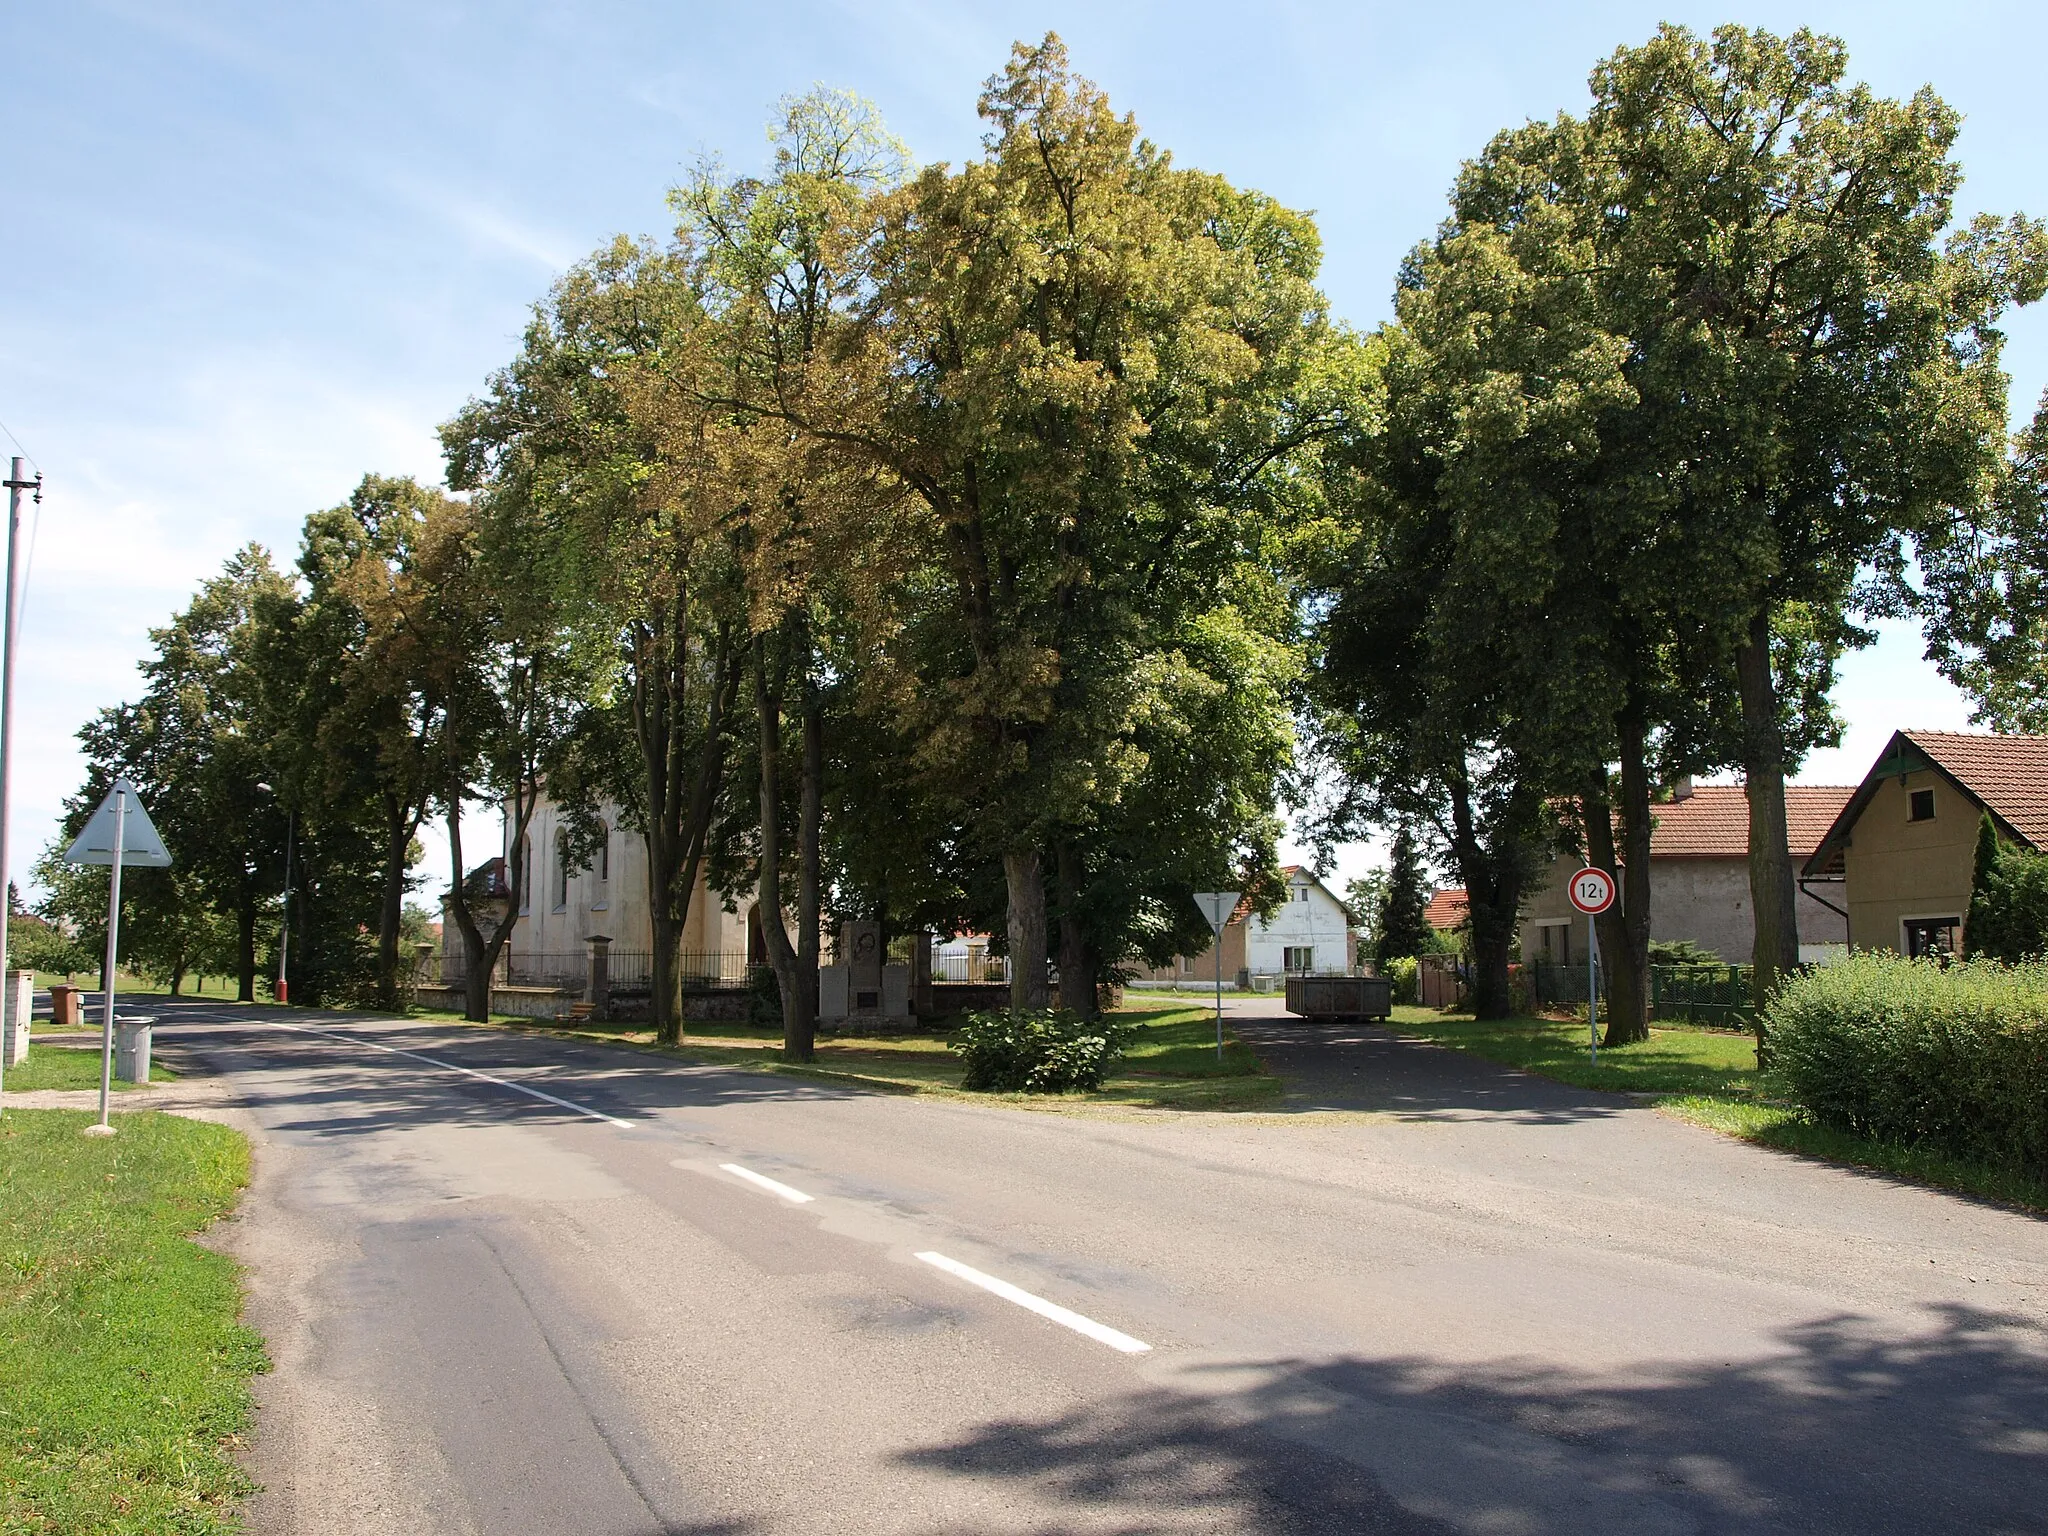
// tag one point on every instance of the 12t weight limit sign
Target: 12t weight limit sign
(1592, 891)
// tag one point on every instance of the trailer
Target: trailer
(1340, 997)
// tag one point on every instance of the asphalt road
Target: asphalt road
(1429, 1296)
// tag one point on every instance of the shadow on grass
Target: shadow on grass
(1842, 1424)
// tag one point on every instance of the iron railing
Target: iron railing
(975, 965)
(1713, 995)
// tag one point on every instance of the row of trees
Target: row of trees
(962, 546)
(1677, 390)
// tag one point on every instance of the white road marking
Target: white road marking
(793, 1196)
(449, 1066)
(1100, 1332)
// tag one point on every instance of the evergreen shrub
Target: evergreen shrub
(1402, 974)
(1917, 1053)
(1043, 1050)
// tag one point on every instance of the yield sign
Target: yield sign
(1217, 906)
(140, 843)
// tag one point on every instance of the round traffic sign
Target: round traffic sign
(1592, 891)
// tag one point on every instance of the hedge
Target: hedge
(1045, 1050)
(1916, 1053)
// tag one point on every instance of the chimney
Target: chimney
(1681, 787)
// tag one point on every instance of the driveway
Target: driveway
(521, 1284)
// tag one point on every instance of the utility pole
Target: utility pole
(17, 482)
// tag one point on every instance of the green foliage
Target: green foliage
(1403, 931)
(1954, 1058)
(36, 945)
(2008, 900)
(1681, 952)
(1402, 973)
(1042, 1050)
(127, 1394)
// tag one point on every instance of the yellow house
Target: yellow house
(1903, 851)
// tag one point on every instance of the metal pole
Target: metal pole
(113, 947)
(16, 484)
(284, 931)
(1593, 988)
(1219, 994)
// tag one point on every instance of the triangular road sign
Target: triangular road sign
(140, 844)
(1217, 907)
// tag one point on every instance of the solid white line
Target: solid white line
(449, 1066)
(1101, 1333)
(793, 1196)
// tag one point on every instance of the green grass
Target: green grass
(1791, 1130)
(1707, 1077)
(1170, 1064)
(126, 1373)
(66, 1067)
(1676, 1060)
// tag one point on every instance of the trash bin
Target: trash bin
(67, 1006)
(131, 1046)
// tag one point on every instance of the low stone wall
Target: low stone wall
(951, 997)
(706, 1005)
(520, 1002)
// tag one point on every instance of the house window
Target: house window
(525, 875)
(604, 852)
(1298, 957)
(1923, 806)
(561, 871)
(1932, 937)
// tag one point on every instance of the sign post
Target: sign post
(1592, 892)
(1217, 907)
(119, 833)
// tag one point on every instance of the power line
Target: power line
(17, 443)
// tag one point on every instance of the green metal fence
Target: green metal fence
(1702, 994)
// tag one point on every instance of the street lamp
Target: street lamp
(284, 927)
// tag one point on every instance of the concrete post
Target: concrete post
(14, 1031)
(600, 975)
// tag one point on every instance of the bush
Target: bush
(1920, 1054)
(1047, 1050)
(1402, 974)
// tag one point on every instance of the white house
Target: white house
(1310, 934)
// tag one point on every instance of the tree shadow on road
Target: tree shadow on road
(1848, 1427)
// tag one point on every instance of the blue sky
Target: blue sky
(254, 250)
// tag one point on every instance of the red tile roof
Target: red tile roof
(1447, 909)
(1713, 822)
(2007, 774)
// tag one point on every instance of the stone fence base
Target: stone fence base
(520, 1002)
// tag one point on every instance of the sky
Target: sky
(253, 251)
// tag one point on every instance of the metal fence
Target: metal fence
(976, 965)
(1714, 995)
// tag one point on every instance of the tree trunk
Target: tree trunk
(1624, 927)
(799, 1012)
(177, 977)
(666, 980)
(1771, 889)
(1077, 964)
(245, 947)
(1493, 892)
(810, 837)
(1024, 877)
(391, 912)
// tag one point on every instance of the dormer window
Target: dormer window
(1922, 803)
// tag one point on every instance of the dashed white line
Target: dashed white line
(449, 1066)
(1102, 1333)
(773, 1186)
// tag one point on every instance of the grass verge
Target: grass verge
(126, 1371)
(1676, 1060)
(1708, 1077)
(1791, 1130)
(1171, 1062)
(67, 1067)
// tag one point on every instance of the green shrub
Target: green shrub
(1402, 974)
(1047, 1050)
(1920, 1054)
(2008, 900)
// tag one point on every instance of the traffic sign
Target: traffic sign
(140, 844)
(1592, 891)
(1217, 906)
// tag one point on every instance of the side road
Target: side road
(525, 1283)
